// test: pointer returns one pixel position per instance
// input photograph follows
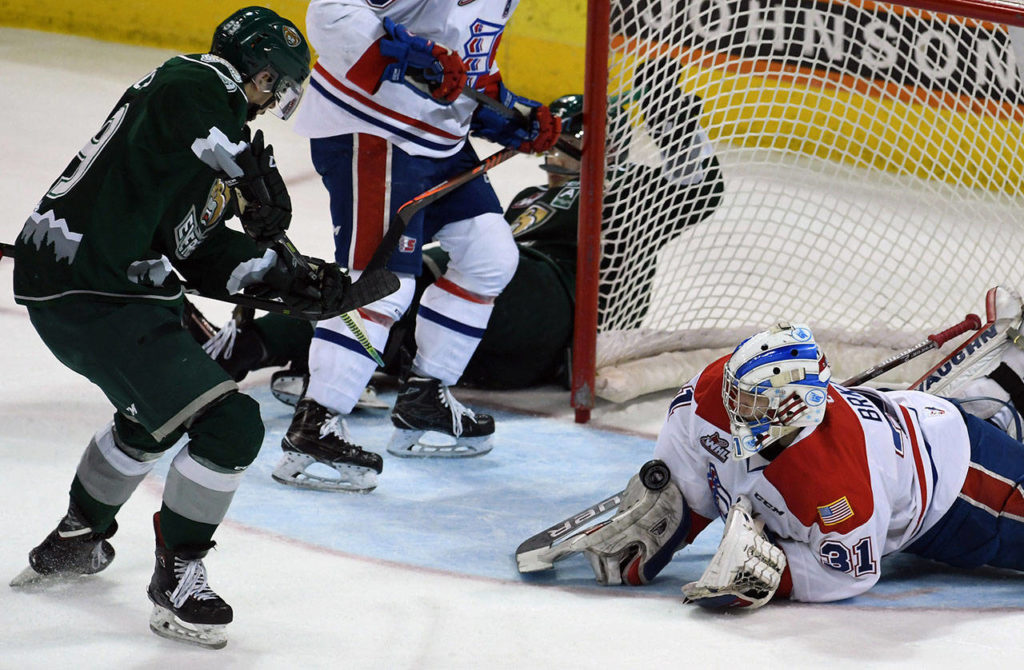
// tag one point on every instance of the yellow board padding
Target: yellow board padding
(963, 149)
(969, 149)
(541, 55)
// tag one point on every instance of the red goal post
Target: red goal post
(871, 161)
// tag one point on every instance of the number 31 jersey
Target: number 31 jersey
(880, 470)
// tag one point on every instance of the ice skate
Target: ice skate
(317, 443)
(289, 386)
(71, 550)
(431, 423)
(185, 608)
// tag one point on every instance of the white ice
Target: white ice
(301, 604)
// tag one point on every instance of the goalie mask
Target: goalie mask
(256, 40)
(775, 383)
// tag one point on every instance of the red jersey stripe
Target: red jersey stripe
(993, 493)
(381, 109)
(922, 483)
(370, 190)
(456, 290)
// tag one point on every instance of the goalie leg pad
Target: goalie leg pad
(745, 571)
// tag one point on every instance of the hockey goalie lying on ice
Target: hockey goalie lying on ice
(817, 482)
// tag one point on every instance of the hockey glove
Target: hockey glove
(267, 210)
(440, 68)
(530, 127)
(747, 568)
(321, 290)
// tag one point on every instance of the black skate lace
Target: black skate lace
(223, 341)
(191, 576)
(458, 410)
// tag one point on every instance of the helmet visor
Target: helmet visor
(287, 95)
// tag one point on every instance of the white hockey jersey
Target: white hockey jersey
(879, 471)
(342, 96)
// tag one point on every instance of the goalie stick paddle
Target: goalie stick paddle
(540, 551)
(970, 322)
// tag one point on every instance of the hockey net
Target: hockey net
(871, 162)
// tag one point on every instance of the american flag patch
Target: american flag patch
(835, 512)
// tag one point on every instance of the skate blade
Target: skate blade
(210, 636)
(410, 444)
(29, 579)
(368, 399)
(288, 388)
(301, 471)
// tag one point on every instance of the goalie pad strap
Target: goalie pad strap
(1010, 382)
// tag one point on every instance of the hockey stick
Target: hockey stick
(360, 293)
(971, 322)
(405, 213)
(382, 278)
(980, 351)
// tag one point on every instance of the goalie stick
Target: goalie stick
(970, 322)
(540, 551)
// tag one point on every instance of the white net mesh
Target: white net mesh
(870, 173)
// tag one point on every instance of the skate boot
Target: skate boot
(185, 608)
(72, 549)
(425, 405)
(318, 442)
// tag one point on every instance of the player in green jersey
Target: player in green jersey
(97, 268)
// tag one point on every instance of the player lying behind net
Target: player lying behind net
(816, 482)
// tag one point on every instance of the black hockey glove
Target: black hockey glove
(267, 211)
(320, 289)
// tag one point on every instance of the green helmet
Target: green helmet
(570, 109)
(257, 39)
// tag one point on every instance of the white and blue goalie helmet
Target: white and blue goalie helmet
(775, 383)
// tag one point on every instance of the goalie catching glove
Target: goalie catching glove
(266, 208)
(747, 568)
(651, 524)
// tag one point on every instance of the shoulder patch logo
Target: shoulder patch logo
(835, 512)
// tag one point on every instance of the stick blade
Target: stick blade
(370, 287)
(540, 551)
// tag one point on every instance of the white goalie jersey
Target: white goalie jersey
(878, 472)
(344, 95)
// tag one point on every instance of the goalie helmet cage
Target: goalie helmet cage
(871, 161)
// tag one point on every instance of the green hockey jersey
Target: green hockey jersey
(144, 196)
